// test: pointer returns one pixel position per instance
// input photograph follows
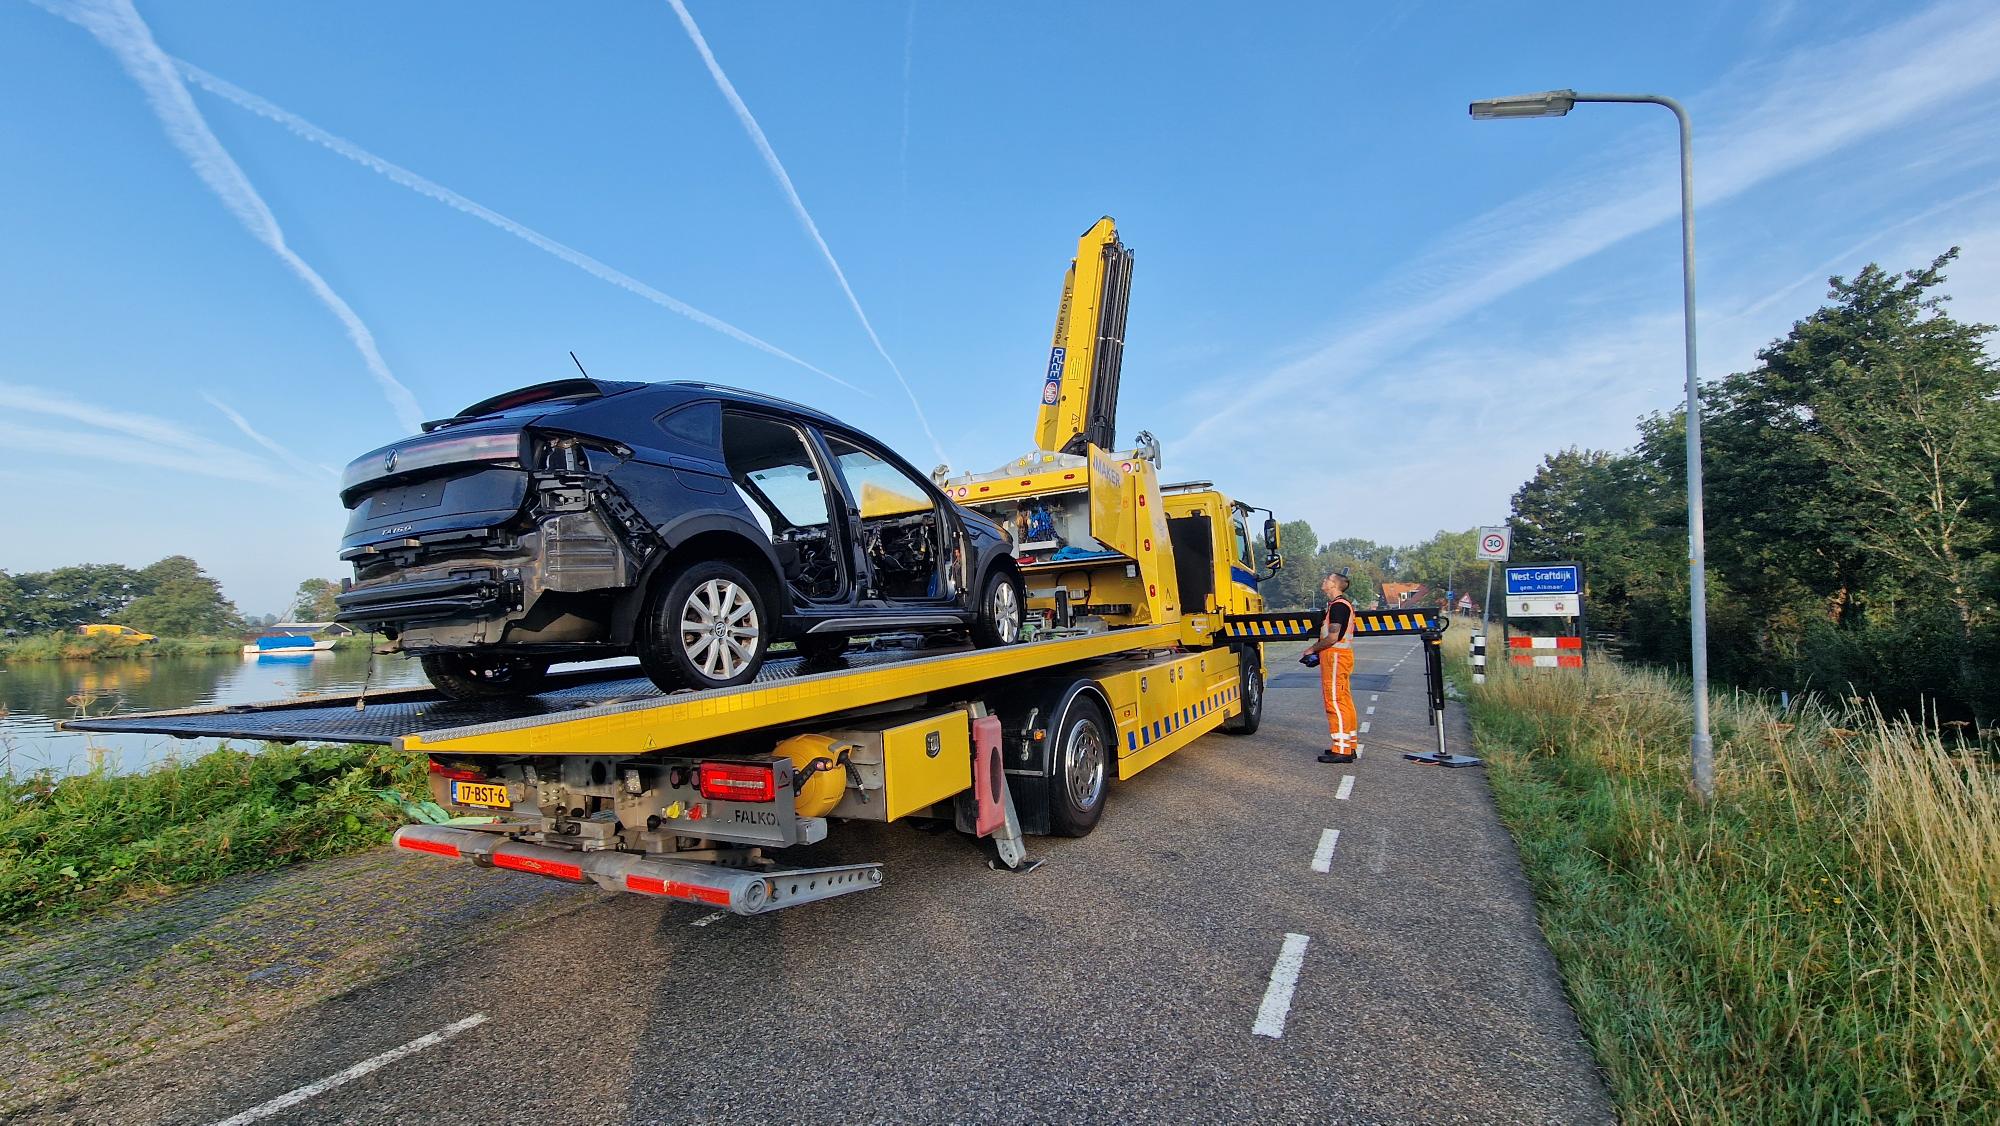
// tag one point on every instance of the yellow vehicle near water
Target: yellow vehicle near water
(122, 633)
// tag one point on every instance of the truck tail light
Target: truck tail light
(457, 774)
(735, 781)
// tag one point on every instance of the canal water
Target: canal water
(35, 695)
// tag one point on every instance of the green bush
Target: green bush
(68, 844)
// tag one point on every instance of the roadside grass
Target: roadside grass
(1821, 944)
(70, 844)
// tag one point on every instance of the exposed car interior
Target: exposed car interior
(901, 527)
(774, 471)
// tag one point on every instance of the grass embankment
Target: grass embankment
(76, 647)
(73, 843)
(1821, 944)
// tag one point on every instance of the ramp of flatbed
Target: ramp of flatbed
(609, 712)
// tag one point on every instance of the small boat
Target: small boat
(287, 645)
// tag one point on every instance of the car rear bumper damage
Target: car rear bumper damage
(741, 891)
(464, 595)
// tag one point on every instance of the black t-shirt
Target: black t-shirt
(1340, 619)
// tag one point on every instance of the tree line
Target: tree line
(1444, 562)
(171, 598)
(1853, 531)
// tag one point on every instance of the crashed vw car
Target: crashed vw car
(690, 524)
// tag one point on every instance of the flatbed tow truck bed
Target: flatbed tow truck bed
(611, 711)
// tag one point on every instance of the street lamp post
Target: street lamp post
(1556, 103)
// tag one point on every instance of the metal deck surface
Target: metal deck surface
(387, 716)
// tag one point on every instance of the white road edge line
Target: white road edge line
(1323, 855)
(1346, 787)
(312, 1090)
(1278, 995)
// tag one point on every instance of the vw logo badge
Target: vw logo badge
(389, 462)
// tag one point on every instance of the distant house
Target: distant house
(1396, 595)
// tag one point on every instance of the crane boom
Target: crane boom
(1080, 387)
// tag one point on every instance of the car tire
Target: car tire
(484, 676)
(707, 627)
(1002, 609)
(820, 649)
(1080, 766)
(1250, 693)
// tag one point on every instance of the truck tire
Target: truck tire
(1250, 693)
(706, 628)
(1080, 766)
(1001, 610)
(483, 676)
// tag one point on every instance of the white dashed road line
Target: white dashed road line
(1364, 727)
(1278, 995)
(1323, 855)
(1346, 787)
(311, 1090)
(1371, 709)
(1374, 697)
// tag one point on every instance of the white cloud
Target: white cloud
(116, 24)
(1763, 122)
(287, 456)
(122, 436)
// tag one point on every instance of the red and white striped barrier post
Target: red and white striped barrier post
(1546, 652)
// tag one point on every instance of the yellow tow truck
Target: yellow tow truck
(1145, 633)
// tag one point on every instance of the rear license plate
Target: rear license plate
(488, 794)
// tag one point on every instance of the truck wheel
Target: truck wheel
(1000, 611)
(483, 676)
(1081, 758)
(707, 628)
(1250, 693)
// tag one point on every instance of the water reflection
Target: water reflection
(34, 695)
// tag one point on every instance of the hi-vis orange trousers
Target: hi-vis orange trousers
(1336, 666)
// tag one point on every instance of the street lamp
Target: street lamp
(1556, 103)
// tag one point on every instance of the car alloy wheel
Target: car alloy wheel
(1004, 607)
(720, 629)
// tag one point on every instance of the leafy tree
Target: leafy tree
(68, 597)
(13, 606)
(314, 601)
(181, 601)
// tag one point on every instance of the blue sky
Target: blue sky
(1341, 277)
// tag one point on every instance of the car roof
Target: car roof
(698, 389)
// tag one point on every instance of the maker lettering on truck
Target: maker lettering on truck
(756, 817)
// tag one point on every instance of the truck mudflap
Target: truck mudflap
(742, 891)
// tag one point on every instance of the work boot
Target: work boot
(1335, 756)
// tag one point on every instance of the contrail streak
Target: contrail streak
(398, 174)
(777, 168)
(288, 457)
(116, 24)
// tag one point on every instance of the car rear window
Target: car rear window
(697, 428)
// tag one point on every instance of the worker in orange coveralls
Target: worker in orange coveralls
(1336, 641)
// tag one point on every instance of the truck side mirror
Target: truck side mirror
(1271, 534)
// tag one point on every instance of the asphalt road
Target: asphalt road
(1130, 978)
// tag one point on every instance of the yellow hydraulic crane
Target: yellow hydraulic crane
(1080, 387)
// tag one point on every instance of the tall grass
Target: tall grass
(1819, 944)
(69, 844)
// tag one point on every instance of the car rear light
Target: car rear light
(457, 774)
(735, 781)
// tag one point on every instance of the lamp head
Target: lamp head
(1549, 103)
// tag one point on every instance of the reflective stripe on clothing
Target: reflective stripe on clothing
(1336, 668)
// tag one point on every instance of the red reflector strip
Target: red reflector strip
(418, 844)
(676, 889)
(560, 869)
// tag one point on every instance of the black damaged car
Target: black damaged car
(691, 524)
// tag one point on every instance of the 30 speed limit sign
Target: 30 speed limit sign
(1495, 543)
